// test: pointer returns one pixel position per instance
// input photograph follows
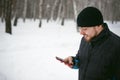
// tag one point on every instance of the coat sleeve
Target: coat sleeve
(76, 59)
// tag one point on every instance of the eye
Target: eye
(83, 28)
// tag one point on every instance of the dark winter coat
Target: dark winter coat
(100, 58)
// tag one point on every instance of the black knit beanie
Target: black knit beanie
(89, 17)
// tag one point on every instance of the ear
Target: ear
(99, 28)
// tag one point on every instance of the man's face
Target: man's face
(88, 32)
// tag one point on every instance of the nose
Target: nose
(81, 32)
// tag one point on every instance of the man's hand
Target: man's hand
(67, 61)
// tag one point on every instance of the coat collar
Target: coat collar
(101, 37)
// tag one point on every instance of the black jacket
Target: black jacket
(100, 58)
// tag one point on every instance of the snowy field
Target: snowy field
(29, 53)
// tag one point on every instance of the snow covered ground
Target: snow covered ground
(29, 53)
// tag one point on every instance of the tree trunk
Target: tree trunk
(53, 9)
(48, 12)
(25, 10)
(33, 9)
(63, 13)
(59, 10)
(75, 13)
(75, 9)
(16, 13)
(15, 21)
(8, 9)
(40, 12)
(2, 10)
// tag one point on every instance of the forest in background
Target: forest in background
(54, 10)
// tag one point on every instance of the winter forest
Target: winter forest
(53, 10)
(34, 32)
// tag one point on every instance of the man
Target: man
(98, 57)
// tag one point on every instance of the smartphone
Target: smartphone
(59, 59)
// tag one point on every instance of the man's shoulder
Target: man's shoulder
(115, 39)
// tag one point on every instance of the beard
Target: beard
(87, 38)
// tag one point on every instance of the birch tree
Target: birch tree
(48, 11)
(33, 8)
(63, 12)
(16, 13)
(75, 9)
(75, 13)
(40, 12)
(59, 10)
(25, 10)
(116, 10)
(53, 9)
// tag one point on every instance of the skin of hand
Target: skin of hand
(68, 61)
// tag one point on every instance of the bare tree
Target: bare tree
(40, 12)
(48, 10)
(75, 9)
(2, 10)
(59, 10)
(25, 10)
(8, 9)
(115, 15)
(75, 13)
(53, 9)
(63, 12)
(16, 13)
(33, 8)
